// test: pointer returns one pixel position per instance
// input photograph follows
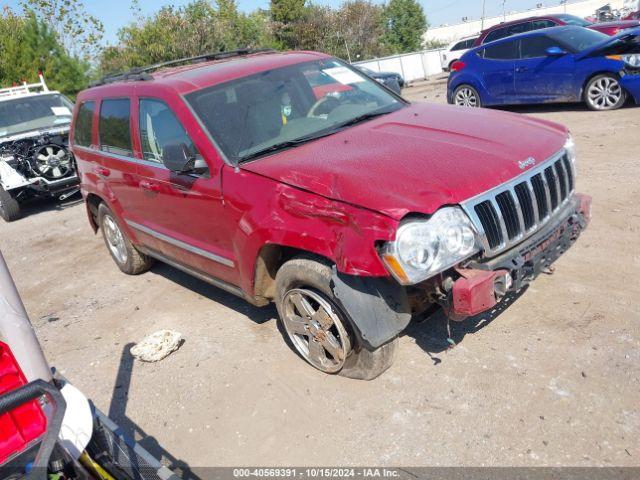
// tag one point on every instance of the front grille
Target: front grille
(513, 211)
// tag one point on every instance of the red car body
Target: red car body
(338, 197)
(608, 28)
(633, 16)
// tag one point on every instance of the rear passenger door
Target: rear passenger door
(116, 167)
(498, 70)
(183, 213)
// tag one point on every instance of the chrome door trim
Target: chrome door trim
(180, 244)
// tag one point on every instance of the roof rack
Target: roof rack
(142, 73)
(24, 89)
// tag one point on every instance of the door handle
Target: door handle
(151, 186)
(102, 171)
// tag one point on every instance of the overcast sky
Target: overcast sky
(116, 13)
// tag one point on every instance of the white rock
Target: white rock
(157, 346)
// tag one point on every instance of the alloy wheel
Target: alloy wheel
(315, 329)
(605, 93)
(115, 239)
(466, 97)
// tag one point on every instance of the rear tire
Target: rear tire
(604, 93)
(128, 258)
(328, 344)
(466, 96)
(9, 206)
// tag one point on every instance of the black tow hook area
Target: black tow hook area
(377, 307)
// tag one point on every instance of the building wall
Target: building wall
(584, 8)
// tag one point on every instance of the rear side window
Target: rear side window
(84, 124)
(539, 24)
(535, 47)
(115, 127)
(463, 45)
(159, 127)
(497, 34)
(502, 51)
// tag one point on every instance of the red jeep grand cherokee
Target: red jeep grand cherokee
(294, 178)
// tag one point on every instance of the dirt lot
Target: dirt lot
(552, 380)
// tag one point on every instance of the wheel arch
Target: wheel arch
(270, 258)
(591, 76)
(92, 202)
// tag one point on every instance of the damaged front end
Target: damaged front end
(37, 166)
(467, 259)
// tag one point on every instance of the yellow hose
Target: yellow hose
(94, 468)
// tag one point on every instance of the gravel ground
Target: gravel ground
(554, 379)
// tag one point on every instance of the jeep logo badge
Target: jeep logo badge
(529, 162)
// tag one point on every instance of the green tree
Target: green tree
(27, 45)
(405, 24)
(194, 29)
(77, 31)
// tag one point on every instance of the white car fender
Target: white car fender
(9, 178)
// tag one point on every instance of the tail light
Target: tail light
(26, 423)
(457, 66)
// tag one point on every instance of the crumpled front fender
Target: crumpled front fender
(378, 307)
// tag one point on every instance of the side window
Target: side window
(84, 124)
(535, 47)
(497, 34)
(459, 46)
(539, 24)
(159, 127)
(519, 28)
(502, 51)
(115, 127)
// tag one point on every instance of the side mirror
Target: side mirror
(177, 158)
(555, 52)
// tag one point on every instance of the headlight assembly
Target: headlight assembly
(570, 148)
(423, 248)
(633, 60)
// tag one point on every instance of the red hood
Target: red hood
(416, 159)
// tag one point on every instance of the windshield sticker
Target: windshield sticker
(343, 75)
(61, 111)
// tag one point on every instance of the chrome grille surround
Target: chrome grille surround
(506, 215)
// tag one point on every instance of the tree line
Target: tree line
(60, 38)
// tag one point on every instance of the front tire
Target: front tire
(466, 96)
(127, 257)
(319, 331)
(604, 92)
(9, 206)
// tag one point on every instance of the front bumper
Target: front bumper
(630, 81)
(483, 283)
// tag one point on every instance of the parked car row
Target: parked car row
(559, 64)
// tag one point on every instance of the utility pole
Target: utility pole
(504, 10)
(484, 4)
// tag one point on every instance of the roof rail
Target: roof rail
(142, 73)
(25, 88)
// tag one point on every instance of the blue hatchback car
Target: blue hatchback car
(560, 64)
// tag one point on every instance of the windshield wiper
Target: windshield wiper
(283, 146)
(364, 117)
(325, 133)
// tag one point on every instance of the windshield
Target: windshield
(573, 20)
(281, 108)
(578, 39)
(26, 114)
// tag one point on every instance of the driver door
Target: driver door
(183, 216)
(541, 77)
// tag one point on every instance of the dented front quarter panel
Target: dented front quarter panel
(269, 212)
